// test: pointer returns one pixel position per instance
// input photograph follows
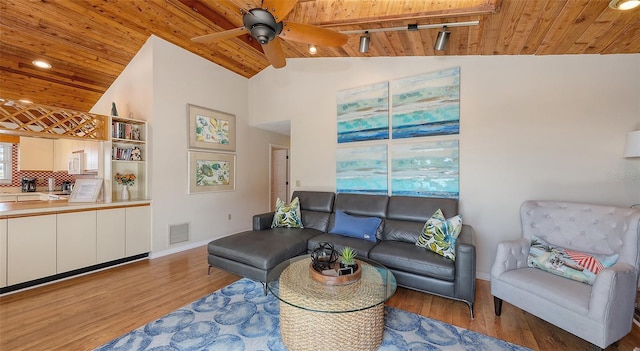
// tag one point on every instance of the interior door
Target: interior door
(279, 176)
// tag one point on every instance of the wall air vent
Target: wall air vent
(178, 233)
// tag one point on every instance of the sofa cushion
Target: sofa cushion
(287, 216)
(339, 241)
(575, 265)
(439, 234)
(406, 216)
(263, 249)
(356, 227)
(413, 259)
(318, 201)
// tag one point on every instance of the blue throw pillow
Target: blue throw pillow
(356, 227)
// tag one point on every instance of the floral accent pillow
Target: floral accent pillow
(287, 216)
(575, 265)
(439, 234)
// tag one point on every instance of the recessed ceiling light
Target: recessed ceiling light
(313, 49)
(41, 64)
(624, 4)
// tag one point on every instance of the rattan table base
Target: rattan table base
(317, 316)
(305, 330)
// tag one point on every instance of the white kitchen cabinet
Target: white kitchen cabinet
(138, 230)
(31, 248)
(111, 234)
(62, 152)
(28, 197)
(8, 198)
(3, 253)
(90, 151)
(36, 154)
(76, 243)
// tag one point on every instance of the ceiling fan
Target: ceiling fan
(266, 25)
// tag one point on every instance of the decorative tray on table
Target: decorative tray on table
(332, 276)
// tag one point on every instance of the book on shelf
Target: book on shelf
(126, 154)
(122, 130)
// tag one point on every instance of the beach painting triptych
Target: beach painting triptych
(378, 156)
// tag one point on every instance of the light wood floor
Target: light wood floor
(88, 311)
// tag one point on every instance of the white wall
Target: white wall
(545, 127)
(172, 78)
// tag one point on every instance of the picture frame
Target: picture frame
(86, 190)
(210, 129)
(211, 172)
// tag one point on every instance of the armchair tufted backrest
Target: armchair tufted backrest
(584, 227)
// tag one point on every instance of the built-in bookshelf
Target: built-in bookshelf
(128, 154)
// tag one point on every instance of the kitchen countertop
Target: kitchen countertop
(54, 206)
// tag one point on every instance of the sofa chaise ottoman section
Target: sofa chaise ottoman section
(253, 254)
(264, 249)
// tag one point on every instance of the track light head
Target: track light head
(442, 39)
(364, 42)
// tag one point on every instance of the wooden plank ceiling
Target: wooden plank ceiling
(89, 42)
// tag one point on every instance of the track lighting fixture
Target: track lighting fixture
(364, 42)
(441, 40)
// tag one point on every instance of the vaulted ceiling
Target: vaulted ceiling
(89, 42)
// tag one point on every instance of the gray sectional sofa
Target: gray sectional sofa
(253, 254)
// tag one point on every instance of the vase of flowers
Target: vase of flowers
(125, 180)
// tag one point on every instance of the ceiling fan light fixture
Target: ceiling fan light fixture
(313, 49)
(442, 39)
(624, 4)
(364, 42)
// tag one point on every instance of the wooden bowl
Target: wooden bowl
(336, 280)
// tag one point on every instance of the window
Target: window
(5, 163)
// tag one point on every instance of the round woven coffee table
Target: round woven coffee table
(317, 316)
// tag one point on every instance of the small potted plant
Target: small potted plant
(348, 259)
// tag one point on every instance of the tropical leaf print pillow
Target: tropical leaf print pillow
(575, 265)
(287, 216)
(439, 234)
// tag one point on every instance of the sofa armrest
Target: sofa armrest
(613, 295)
(510, 255)
(263, 221)
(465, 264)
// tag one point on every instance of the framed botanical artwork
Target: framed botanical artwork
(211, 171)
(211, 129)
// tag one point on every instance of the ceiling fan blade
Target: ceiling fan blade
(308, 34)
(275, 54)
(213, 37)
(279, 8)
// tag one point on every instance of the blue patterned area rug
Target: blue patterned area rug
(240, 317)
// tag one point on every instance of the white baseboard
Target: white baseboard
(177, 249)
(483, 276)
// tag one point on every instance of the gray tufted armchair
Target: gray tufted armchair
(600, 313)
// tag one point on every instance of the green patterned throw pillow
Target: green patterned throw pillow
(287, 216)
(439, 234)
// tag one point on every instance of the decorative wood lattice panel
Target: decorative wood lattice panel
(52, 122)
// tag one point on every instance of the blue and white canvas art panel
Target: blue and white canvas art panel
(426, 104)
(362, 170)
(426, 168)
(363, 113)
